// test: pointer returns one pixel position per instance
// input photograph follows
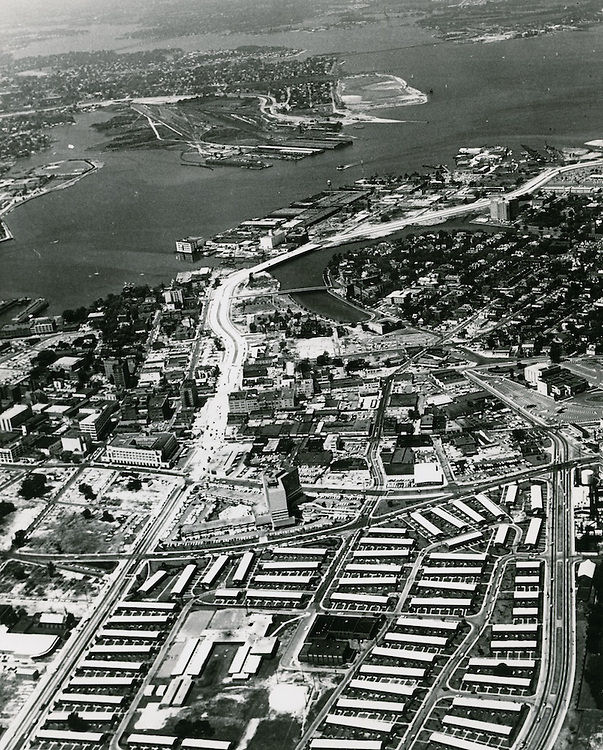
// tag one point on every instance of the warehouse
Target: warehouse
(93, 698)
(283, 580)
(211, 574)
(243, 567)
(176, 691)
(429, 623)
(536, 504)
(130, 635)
(184, 657)
(484, 704)
(402, 673)
(184, 580)
(345, 744)
(468, 511)
(241, 653)
(420, 638)
(477, 726)
(95, 717)
(528, 564)
(380, 686)
(356, 722)
(385, 541)
(533, 532)
(511, 494)
(447, 585)
(502, 532)
(526, 596)
(527, 580)
(64, 735)
(453, 741)
(126, 648)
(490, 506)
(458, 557)
(138, 620)
(195, 744)
(463, 539)
(152, 740)
(123, 666)
(290, 565)
(338, 596)
(505, 628)
(155, 606)
(525, 612)
(372, 568)
(387, 531)
(199, 658)
(439, 602)
(449, 518)
(301, 551)
(374, 706)
(288, 596)
(101, 682)
(404, 654)
(376, 581)
(511, 645)
(393, 553)
(452, 571)
(495, 661)
(151, 582)
(426, 525)
(492, 679)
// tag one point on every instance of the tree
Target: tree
(87, 491)
(46, 357)
(134, 484)
(556, 351)
(6, 508)
(19, 538)
(107, 517)
(87, 514)
(76, 723)
(18, 572)
(193, 728)
(34, 485)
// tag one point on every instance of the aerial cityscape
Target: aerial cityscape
(301, 375)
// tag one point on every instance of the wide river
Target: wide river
(120, 223)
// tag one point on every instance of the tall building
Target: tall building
(281, 490)
(14, 416)
(502, 209)
(189, 394)
(117, 371)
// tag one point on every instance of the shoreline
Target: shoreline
(20, 200)
(409, 98)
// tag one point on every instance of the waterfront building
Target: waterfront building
(189, 248)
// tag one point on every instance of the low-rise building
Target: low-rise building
(153, 451)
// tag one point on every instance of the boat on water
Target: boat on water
(341, 167)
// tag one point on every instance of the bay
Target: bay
(120, 223)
